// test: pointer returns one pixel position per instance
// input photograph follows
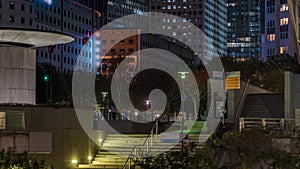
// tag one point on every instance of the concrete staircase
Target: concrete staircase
(254, 105)
(116, 148)
(266, 105)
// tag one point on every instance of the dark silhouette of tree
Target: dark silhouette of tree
(60, 84)
(11, 159)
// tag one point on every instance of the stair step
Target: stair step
(109, 162)
(116, 148)
(89, 166)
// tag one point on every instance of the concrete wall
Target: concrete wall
(17, 75)
(291, 95)
(69, 141)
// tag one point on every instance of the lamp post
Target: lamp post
(104, 94)
(148, 104)
(183, 77)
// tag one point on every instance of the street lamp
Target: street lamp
(183, 77)
(148, 104)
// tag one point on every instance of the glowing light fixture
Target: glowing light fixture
(74, 161)
(49, 2)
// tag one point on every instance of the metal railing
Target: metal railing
(242, 102)
(268, 123)
(149, 138)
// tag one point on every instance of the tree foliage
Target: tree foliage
(60, 84)
(268, 75)
(11, 159)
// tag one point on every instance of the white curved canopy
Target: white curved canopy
(33, 38)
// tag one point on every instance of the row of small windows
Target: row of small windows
(11, 18)
(169, 1)
(271, 51)
(65, 60)
(272, 37)
(271, 6)
(58, 23)
(73, 50)
(271, 26)
(169, 7)
(130, 50)
(22, 6)
(69, 14)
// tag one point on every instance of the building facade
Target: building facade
(279, 37)
(74, 19)
(19, 39)
(215, 25)
(210, 16)
(245, 27)
(114, 9)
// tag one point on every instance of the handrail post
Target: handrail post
(129, 163)
(147, 145)
(156, 128)
(282, 124)
(242, 124)
(135, 153)
(151, 137)
(264, 123)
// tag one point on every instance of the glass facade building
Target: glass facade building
(279, 37)
(215, 21)
(245, 27)
(208, 15)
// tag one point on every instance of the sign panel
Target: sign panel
(233, 80)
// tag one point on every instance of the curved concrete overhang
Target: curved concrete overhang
(32, 38)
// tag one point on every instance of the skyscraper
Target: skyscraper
(279, 37)
(72, 18)
(114, 9)
(208, 15)
(245, 26)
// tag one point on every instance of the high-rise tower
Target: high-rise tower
(245, 27)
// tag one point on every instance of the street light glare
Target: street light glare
(49, 2)
(183, 74)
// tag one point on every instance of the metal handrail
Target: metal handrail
(155, 126)
(265, 122)
(238, 112)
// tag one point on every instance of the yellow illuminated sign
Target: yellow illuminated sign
(233, 80)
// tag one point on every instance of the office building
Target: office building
(114, 9)
(19, 39)
(74, 19)
(208, 15)
(279, 37)
(245, 27)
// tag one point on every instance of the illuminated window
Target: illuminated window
(12, 5)
(284, 21)
(11, 18)
(271, 37)
(284, 49)
(284, 7)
